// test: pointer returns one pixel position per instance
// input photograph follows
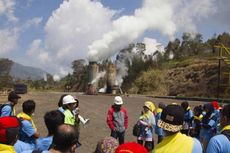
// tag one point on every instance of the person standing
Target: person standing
(188, 118)
(208, 125)
(158, 130)
(148, 123)
(7, 109)
(221, 142)
(171, 122)
(117, 119)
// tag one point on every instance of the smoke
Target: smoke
(100, 75)
(124, 58)
(152, 47)
(166, 16)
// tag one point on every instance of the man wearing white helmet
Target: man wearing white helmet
(70, 104)
(117, 119)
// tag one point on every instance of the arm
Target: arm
(110, 119)
(28, 129)
(126, 119)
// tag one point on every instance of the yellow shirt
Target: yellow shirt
(177, 143)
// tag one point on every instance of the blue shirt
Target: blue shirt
(197, 148)
(44, 143)
(27, 131)
(21, 146)
(159, 131)
(188, 115)
(61, 109)
(218, 144)
(207, 133)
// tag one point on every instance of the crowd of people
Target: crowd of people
(178, 127)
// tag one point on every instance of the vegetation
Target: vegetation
(144, 73)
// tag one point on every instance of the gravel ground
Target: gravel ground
(94, 107)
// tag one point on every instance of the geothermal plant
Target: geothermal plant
(111, 87)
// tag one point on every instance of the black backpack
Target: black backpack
(137, 129)
(3, 105)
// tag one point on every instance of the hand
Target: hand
(115, 129)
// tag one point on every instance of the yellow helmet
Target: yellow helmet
(150, 105)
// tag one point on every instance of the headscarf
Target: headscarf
(107, 145)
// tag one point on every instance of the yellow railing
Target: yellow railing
(224, 52)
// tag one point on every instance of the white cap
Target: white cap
(68, 99)
(118, 100)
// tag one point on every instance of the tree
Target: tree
(5, 78)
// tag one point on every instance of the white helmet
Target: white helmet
(68, 99)
(118, 100)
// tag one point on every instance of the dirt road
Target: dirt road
(93, 107)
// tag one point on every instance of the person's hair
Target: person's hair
(161, 105)
(184, 104)
(198, 109)
(12, 135)
(65, 137)
(226, 111)
(209, 107)
(28, 106)
(52, 120)
(60, 100)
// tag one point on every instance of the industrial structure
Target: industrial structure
(111, 72)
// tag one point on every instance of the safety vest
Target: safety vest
(6, 149)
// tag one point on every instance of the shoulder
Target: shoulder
(25, 122)
(197, 148)
(6, 107)
(123, 109)
(220, 139)
(217, 143)
(111, 109)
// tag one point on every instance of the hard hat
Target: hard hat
(118, 100)
(150, 105)
(68, 99)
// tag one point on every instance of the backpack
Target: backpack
(226, 134)
(137, 129)
(3, 105)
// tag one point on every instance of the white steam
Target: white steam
(99, 75)
(164, 16)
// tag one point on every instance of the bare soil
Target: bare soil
(94, 107)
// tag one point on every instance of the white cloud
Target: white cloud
(84, 27)
(37, 52)
(70, 29)
(8, 40)
(7, 8)
(35, 22)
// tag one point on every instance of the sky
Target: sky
(50, 34)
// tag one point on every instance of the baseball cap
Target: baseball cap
(13, 95)
(172, 118)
